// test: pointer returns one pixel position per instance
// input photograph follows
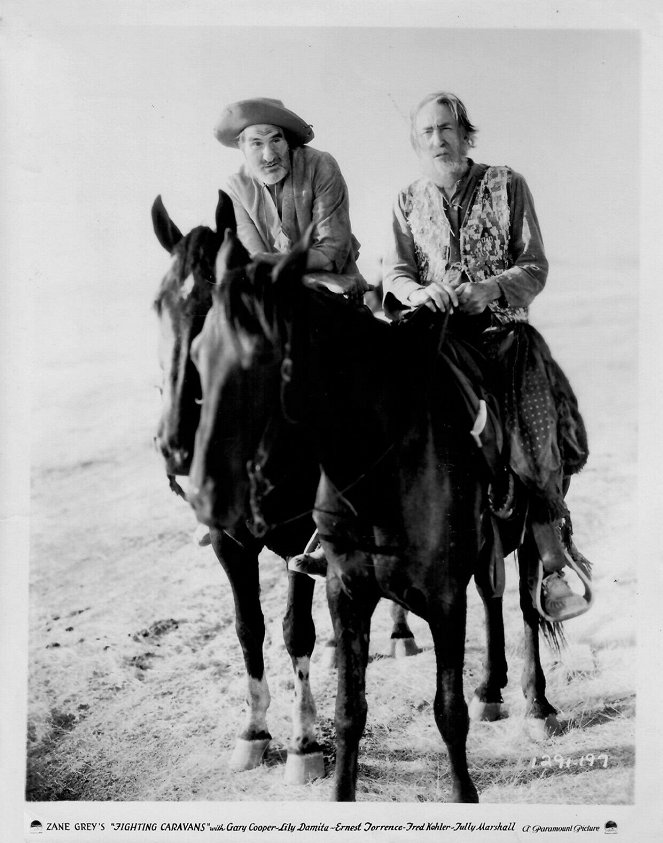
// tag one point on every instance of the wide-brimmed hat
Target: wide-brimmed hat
(238, 115)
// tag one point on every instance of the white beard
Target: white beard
(445, 173)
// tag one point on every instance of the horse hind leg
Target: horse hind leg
(328, 656)
(540, 716)
(402, 638)
(305, 761)
(241, 567)
(487, 703)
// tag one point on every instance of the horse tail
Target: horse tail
(554, 635)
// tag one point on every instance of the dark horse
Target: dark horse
(400, 506)
(183, 300)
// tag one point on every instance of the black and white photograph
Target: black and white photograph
(330, 459)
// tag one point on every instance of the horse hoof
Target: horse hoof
(247, 755)
(465, 794)
(486, 712)
(541, 728)
(328, 658)
(402, 647)
(301, 768)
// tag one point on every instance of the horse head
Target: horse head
(239, 355)
(183, 299)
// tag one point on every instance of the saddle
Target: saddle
(352, 287)
(466, 367)
(486, 430)
(461, 373)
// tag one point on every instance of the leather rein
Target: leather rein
(259, 483)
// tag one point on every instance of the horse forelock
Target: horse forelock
(249, 301)
(189, 282)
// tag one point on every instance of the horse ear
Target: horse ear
(225, 214)
(231, 255)
(168, 234)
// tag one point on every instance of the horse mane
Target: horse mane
(269, 302)
(387, 379)
(247, 308)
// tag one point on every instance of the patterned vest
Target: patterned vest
(484, 235)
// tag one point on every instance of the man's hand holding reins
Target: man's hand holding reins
(474, 298)
(437, 296)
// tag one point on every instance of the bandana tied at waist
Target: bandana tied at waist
(547, 439)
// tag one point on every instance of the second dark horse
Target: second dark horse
(182, 302)
(399, 506)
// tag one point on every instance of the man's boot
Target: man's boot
(548, 539)
(553, 597)
(558, 602)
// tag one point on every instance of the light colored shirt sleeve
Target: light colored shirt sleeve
(332, 235)
(244, 196)
(400, 275)
(525, 279)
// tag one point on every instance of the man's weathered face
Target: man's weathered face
(266, 152)
(441, 143)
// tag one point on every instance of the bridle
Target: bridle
(259, 484)
(206, 273)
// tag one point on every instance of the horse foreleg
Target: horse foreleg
(305, 761)
(402, 639)
(540, 715)
(447, 623)
(487, 702)
(241, 566)
(352, 601)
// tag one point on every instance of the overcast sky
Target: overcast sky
(119, 114)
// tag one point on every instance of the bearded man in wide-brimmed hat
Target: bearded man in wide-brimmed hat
(283, 186)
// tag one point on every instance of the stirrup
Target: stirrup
(305, 563)
(201, 536)
(588, 597)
